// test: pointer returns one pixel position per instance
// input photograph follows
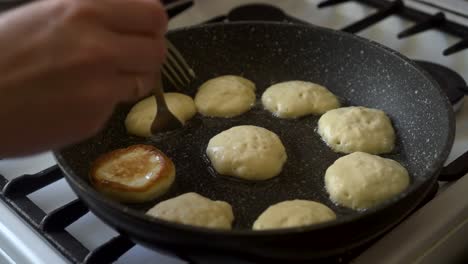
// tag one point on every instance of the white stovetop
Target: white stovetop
(22, 244)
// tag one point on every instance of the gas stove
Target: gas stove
(41, 220)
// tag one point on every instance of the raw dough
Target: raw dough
(139, 119)
(351, 129)
(298, 98)
(292, 214)
(248, 152)
(194, 209)
(225, 96)
(360, 180)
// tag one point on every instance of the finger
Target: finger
(147, 17)
(130, 87)
(140, 55)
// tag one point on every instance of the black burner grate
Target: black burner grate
(52, 226)
(423, 21)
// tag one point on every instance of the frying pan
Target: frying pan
(360, 72)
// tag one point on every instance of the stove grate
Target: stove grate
(424, 21)
(14, 195)
(380, 15)
(52, 226)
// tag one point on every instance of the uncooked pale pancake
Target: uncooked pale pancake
(360, 180)
(247, 152)
(139, 119)
(137, 173)
(225, 96)
(351, 129)
(294, 99)
(292, 214)
(194, 209)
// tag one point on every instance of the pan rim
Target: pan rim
(138, 215)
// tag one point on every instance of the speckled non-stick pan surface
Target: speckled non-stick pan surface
(359, 72)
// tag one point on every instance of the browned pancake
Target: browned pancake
(137, 173)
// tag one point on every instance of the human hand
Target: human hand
(65, 64)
